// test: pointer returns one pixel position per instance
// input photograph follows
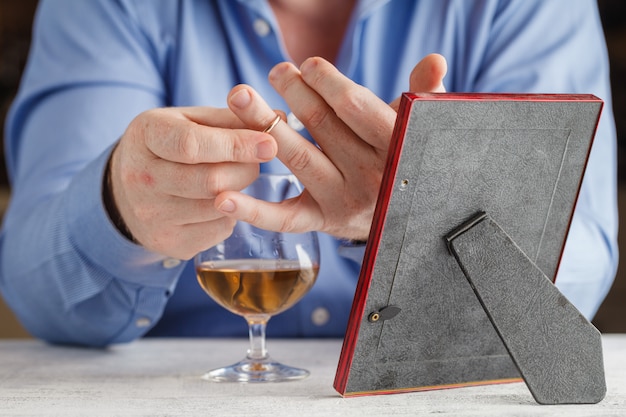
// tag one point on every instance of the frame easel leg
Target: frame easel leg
(556, 349)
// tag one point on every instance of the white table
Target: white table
(161, 377)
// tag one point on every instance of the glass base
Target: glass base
(250, 370)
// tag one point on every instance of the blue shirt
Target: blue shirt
(94, 65)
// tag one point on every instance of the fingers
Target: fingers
(302, 157)
(294, 215)
(316, 113)
(201, 181)
(258, 115)
(352, 103)
(427, 76)
(168, 167)
(181, 211)
(178, 137)
(343, 178)
(210, 116)
(183, 242)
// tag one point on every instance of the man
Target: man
(127, 145)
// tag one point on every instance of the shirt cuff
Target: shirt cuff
(97, 238)
(352, 250)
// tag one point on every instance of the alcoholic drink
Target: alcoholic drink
(256, 286)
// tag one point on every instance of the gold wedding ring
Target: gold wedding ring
(272, 125)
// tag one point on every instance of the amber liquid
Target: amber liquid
(256, 286)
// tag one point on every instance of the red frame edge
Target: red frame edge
(373, 242)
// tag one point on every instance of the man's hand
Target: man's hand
(168, 167)
(352, 128)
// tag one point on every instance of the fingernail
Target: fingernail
(277, 71)
(240, 99)
(308, 65)
(273, 74)
(265, 150)
(227, 206)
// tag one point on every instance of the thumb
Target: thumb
(427, 76)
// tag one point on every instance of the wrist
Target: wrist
(354, 242)
(110, 206)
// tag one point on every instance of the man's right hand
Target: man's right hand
(168, 167)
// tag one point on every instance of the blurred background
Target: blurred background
(15, 26)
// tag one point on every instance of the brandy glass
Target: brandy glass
(256, 274)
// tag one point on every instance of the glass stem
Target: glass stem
(256, 327)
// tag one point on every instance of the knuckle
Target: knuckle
(224, 146)
(137, 130)
(351, 101)
(319, 76)
(237, 150)
(212, 184)
(288, 224)
(299, 159)
(254, 215)
(150, 126)
(288, 83)
(314, 116)
(188, 145)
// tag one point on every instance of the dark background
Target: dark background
(15, 24)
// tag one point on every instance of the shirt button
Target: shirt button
(320, 316)
(170, 263)
(294, 123)
(261, 27)
(143, 322)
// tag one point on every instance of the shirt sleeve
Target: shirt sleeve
(65, 270)
(545, 46)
